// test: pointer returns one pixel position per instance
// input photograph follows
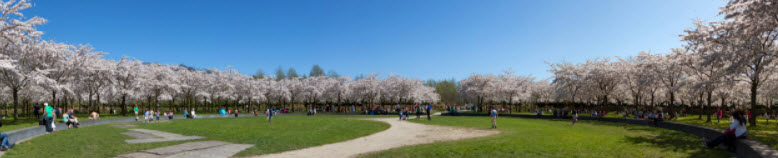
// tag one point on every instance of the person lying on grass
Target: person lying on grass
(736, 130)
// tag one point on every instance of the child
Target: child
(575, 117)
(401, 115)
(146, 117)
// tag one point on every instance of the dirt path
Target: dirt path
(401, 133)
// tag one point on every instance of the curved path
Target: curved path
(401, 133)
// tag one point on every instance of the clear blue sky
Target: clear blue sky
(427, 39)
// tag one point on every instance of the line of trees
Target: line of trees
(728, 63)
(33, 71)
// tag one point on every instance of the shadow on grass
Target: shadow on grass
(667, 140)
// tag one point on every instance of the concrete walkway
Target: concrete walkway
(401, 133)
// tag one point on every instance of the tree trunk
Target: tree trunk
(754, 86)
(16, 102)
(708, 106)
(124, 105)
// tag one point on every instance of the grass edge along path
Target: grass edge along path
(558, 138)
(284, 134)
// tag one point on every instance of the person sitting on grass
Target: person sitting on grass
(65, 120)
(4, 143)
(736, 130)
(94, 116)
(193, 113)
(186, 113)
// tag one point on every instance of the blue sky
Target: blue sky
(427, 39)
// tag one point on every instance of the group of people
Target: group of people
(68, 117)
(405, 112)
(644, 114)
(150, 115)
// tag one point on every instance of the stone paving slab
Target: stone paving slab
(156, 136)
(185, 147)
(124, 126)
(140, 135)
(224, 151)
(204, 149)
(139, 155)
(154, 140)
(158, 133)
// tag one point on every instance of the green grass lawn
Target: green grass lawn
(286, 133)
(94, 141)
(557, 138)
(767, 134)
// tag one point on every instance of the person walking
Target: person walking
(267, 114)
(575, 117)
(429, 107)
(270, 116)
(493, 114)
(401, 114)
(146, 117)
(136, 112)
(418, 112)
(48, 114)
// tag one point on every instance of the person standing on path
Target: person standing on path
(48, 114)
(493, 114)
(401, 114)
(136, 112)
(418, 112)
(429, 107)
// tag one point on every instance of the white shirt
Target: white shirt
(740, 129)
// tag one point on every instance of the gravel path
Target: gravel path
(401, 133)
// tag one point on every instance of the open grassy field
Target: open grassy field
(286, 133)
(558, 138)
